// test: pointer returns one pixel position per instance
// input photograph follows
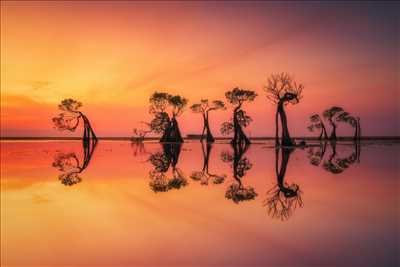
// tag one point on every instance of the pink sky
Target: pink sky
(112, 56)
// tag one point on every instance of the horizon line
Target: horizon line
(383, 137)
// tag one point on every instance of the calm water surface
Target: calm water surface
(124, 204)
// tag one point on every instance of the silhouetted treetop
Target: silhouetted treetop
(238, 96)
(70, 105)
(281, 87)
(347, 118)
(205, 106)
(178, 103)
(70, 117)
(331, 112)
(160, 101)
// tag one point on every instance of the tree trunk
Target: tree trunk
(324, 130)
(333, 134)
(206, 155)
(210, 137)
(282, 171)
(287, 191)
(286, 140)
(277, 128)
(320, 135)
(164, 137)
(239, 135)
(355, 137)
(204, 128)
(172, 134)
(175, 135)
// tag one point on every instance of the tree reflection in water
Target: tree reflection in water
(283, 199)
(70, 166)
(204, 176)
(162, 161)
(240, 165)
(336, 164)
(316, 154)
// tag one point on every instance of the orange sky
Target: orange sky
(112, 56)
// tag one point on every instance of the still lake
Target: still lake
(122, 203)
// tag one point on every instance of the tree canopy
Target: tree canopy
(68, 119)
(238, 96)
(281, 87)
(160, 102)
(205, 106)
(331, 112)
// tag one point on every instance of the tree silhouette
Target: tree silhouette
(159, 182)
(70, 166)
(283, 199)
(70, 117)
(204, 107)
(317, 123)
(352, 121)
(240, 165)
(281, 89)
(331, 114)
(166, 108)
(204, 175)
(237, 97)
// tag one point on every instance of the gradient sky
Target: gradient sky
(112, 56)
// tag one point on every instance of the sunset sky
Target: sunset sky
(112, 56)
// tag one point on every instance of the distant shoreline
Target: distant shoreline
(125, 138)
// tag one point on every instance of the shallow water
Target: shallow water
(129, 204)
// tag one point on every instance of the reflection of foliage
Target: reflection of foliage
(239, 193)
(283, 199)
(69, 164)
(337, 165)
(240, 165)
(316, 155)
(159, 182)
(204, 176)
(282, 204)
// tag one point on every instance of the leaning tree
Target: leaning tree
(331, 115)
(317, 123)
(345, 117)
(240, 119)
(281, 89)
(166, 108)
(70, 118)
(204, 107)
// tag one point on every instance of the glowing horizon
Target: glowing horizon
(112, 55)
